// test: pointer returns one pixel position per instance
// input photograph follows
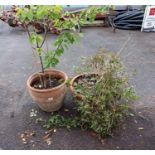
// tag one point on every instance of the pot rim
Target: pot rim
(77, 76)
(31, 77)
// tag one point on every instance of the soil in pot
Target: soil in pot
(84, 81)
(47, 81)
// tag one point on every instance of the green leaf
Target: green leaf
(39, 50)
(58, 41)
(50, 59)
(30, 15)
(56, 12)
(57, 9)
(33, 38)
(42, 11)
(54, 61)
(59, 51)
(39, 38)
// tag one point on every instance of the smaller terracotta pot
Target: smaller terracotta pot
(50, 99)
(72, 88)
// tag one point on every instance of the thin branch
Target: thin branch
(27, 30)
(44, 37)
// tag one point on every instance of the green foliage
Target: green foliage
(52, 16)
(39, 12)
(106, 102)
(60, 121)
(35, 38)
(61, 43)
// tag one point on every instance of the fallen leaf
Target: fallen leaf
(46, 136)
(102, 141)
(32, 134)
(23, 139)
(140, 128)
(26, 137)
(49, 131)
(48, 141)
(22, 135)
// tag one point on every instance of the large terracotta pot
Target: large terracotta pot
(50, 99)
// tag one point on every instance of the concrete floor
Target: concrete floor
(16, 64)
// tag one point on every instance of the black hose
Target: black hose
(129, 16)
(127, 28)
(118, 17)
(131, 20)
(138, 17)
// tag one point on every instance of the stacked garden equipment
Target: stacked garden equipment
(8, 16)
(130, 20)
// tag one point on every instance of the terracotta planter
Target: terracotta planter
(50, 99)
(72, 88)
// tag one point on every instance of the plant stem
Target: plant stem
(44, 37)
(42, 79)
(41, 62)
